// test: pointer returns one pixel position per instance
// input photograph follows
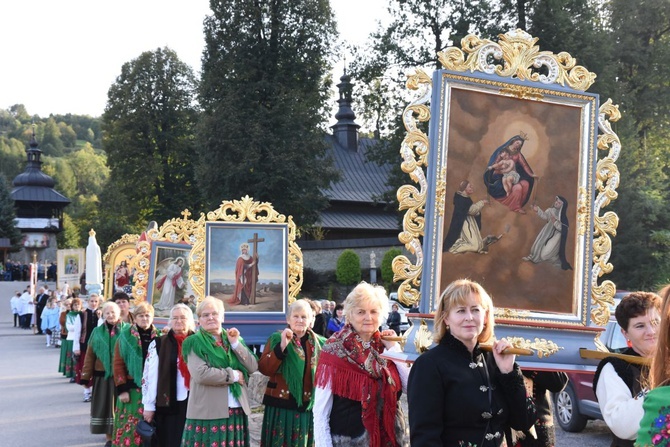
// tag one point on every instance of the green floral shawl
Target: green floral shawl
(102, 342)
(130, 348)
(204, 345)
(292, 367)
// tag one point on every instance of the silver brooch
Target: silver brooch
(483, 388)
(491, 436)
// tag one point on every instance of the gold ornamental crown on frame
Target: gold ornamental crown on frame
(523, 135)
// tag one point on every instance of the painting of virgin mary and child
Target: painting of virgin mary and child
(506, 162)
(509, 178)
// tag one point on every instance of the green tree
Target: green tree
(641, 31)
(386, 266)
(7, 215)
(49, 138)
(12, 157)
(90, 169)
(417, 31)
(265, 95)
(67, 134)
(348, 270)
(108, 223)
(149, 126)
(70, 237)
(581, 28)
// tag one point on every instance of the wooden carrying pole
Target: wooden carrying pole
(599, 355)
(484, 347)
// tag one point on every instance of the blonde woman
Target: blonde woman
(459, 395)
(357, 390)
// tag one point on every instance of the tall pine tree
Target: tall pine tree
(265, 93)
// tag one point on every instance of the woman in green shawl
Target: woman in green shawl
(98, 370)
(219, 364)
(129, 354)
(289, 359)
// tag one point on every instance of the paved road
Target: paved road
(40, 407)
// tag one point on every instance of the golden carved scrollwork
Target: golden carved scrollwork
(521, 92)
(607, 180)
(176, 231)
(424, 338)
(125, 239)
(510, 314)
(441, 191)
(541, 346)
(582, 211)
(516, 55)
(245, 210)
(414, 152)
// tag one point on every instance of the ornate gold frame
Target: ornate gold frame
(514, 56)
(241, 211)
(175, 231)
(125, 242)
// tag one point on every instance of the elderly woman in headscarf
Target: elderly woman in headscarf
(165, 382)
(357, 390)
(130, 353)
(289, 360)
(98, 369)
(219, 364)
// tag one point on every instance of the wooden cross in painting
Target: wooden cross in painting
(254, 272)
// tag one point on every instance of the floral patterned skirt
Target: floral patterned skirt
(67, 362)
(126, 417)
(232, 431)
(287, 428)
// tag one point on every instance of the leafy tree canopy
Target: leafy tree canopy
(149, 125)
(265, 91)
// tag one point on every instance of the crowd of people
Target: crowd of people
(17, 271)
(188, 381)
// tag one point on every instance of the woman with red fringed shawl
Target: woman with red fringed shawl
(357, 391)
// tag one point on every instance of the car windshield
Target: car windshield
(618, 340)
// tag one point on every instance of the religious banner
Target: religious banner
(161, 267)
(118, 275)
(70, 267)
(508, 190)
(245, 255)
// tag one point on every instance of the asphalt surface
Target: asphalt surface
(38, 406)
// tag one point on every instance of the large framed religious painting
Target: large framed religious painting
(117, 266)
(70, 266)
(161, 267)
(247, 266)
(509, 183)
(245, 255)
(168, 277)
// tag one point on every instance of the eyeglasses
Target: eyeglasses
(209, 314)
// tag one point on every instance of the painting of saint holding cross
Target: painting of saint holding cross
(246, 267)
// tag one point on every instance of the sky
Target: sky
(61, 57)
